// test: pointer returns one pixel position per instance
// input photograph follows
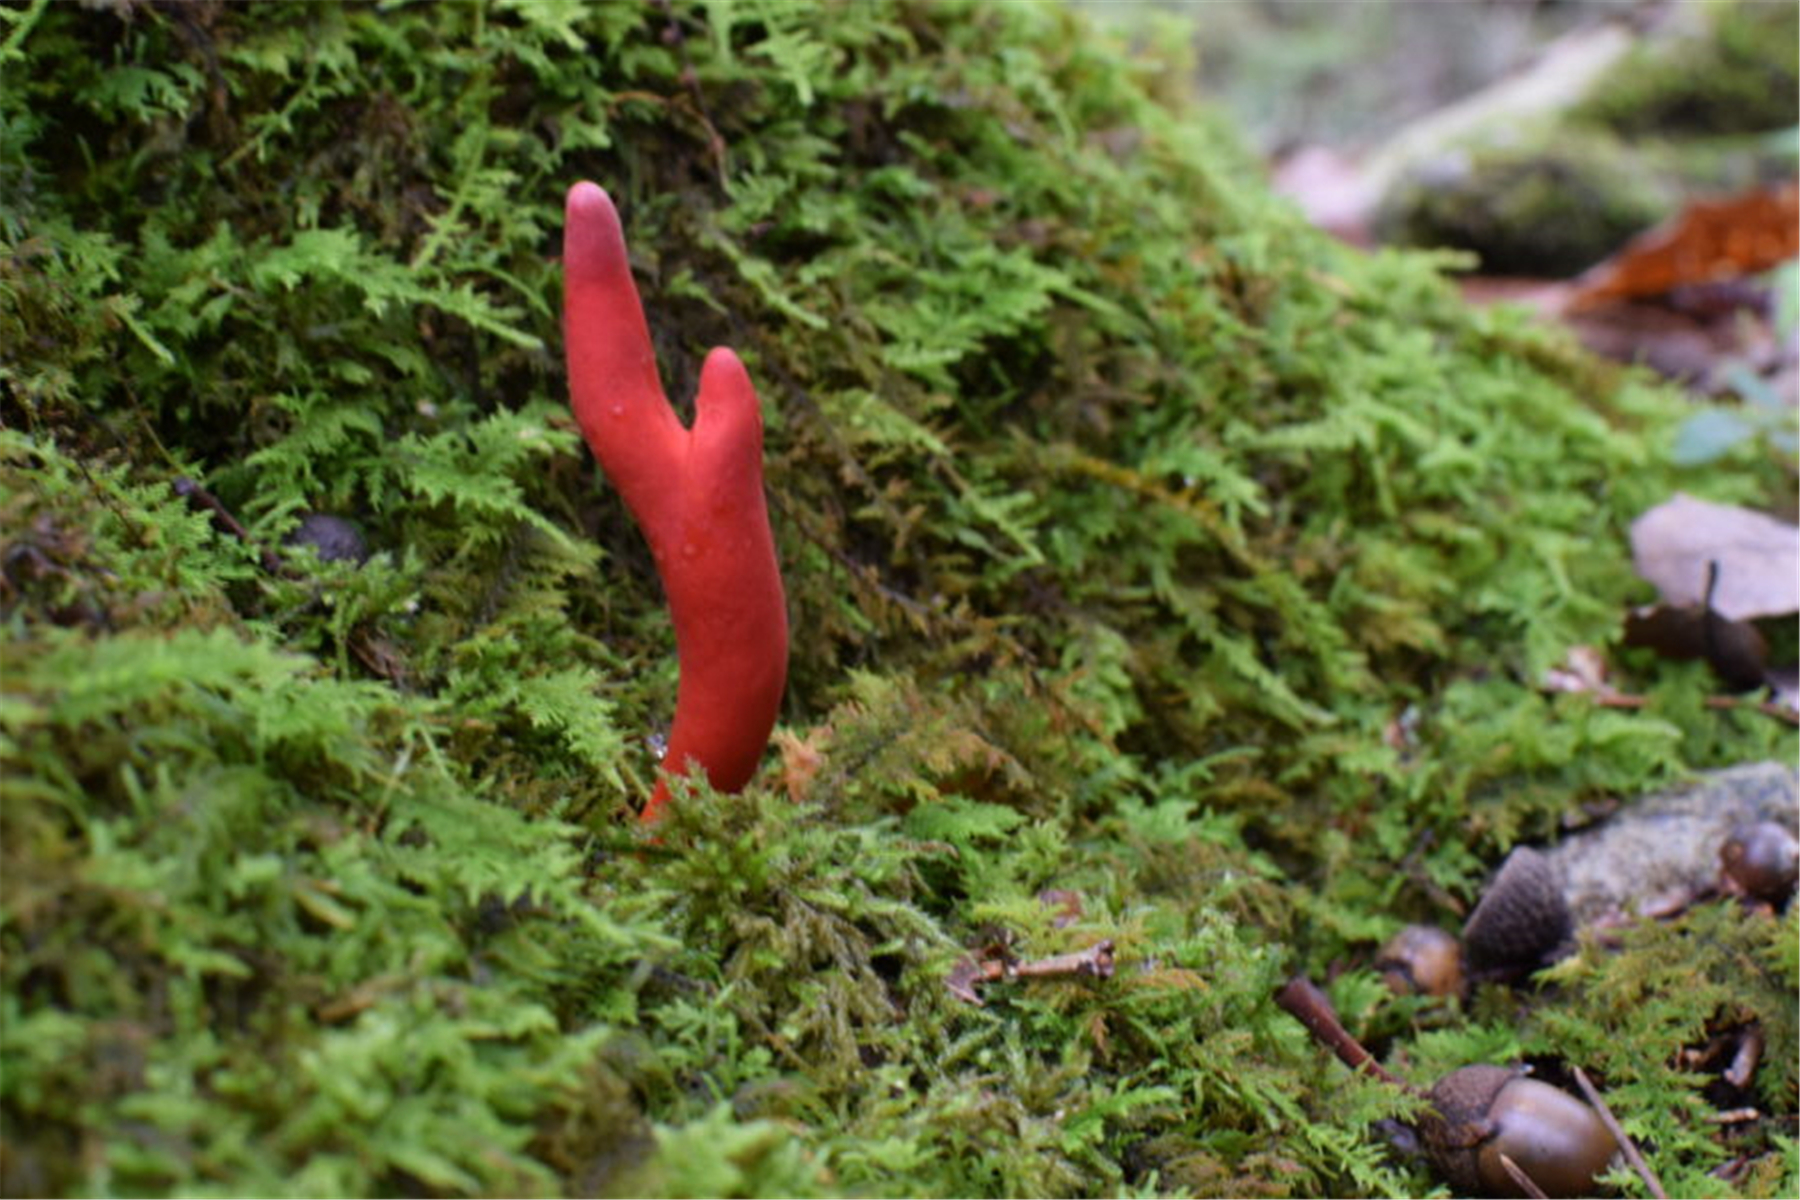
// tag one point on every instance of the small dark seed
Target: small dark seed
(334, 538)
(1763, 860)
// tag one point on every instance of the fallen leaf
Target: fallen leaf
(801, 758)
(1544, 297)
(381, 656)
(1675, 345)
(1708, 241)
(1330, 189)
(1758, 557)
(964, 976)
(1583, 670)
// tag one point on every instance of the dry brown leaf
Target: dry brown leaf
(963, 977)
(1329, 187)
(1758, 557)
(801, 758)
(1583, 669)
(1708, 241)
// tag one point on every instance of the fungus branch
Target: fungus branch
(696, 493)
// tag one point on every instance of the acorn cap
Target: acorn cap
(1453, 1136)
(1523, 920)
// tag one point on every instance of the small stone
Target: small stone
(1669, 842)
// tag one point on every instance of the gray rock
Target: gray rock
(1666, 845)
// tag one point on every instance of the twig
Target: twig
(1734, 1116)
(1527, 1185)
(1302, 999)
(1626, 1145)
(1772, 708)
(188, 490)
(1749, 1052)
(1096, 962)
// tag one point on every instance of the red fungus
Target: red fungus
(696, 493)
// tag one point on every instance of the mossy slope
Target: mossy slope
(1126, 522)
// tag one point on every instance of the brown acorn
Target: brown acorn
(1422, 960)
(1481, 1117)
(1485, 1112)
(1523, 921)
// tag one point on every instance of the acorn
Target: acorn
(1479, 1115)
(1523, 921)
(1485, 1112)
(1762, 860)
(1422, 960)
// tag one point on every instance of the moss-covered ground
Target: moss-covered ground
(1139, 542)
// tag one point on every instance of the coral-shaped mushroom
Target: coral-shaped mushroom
(696, 493)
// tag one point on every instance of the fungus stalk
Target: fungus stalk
(696, 493)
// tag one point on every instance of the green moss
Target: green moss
(1736, 73)
(1122, 518)
(1543, 208)
(1712, 971)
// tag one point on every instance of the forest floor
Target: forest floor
(1200, 615)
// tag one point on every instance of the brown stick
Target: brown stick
(1771, 708)
(1096, 962)
(192, 492)
(1749, 1052)
(1734, 1116)
(1527, 1185)
(1301, 999)
(1626, 1146)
